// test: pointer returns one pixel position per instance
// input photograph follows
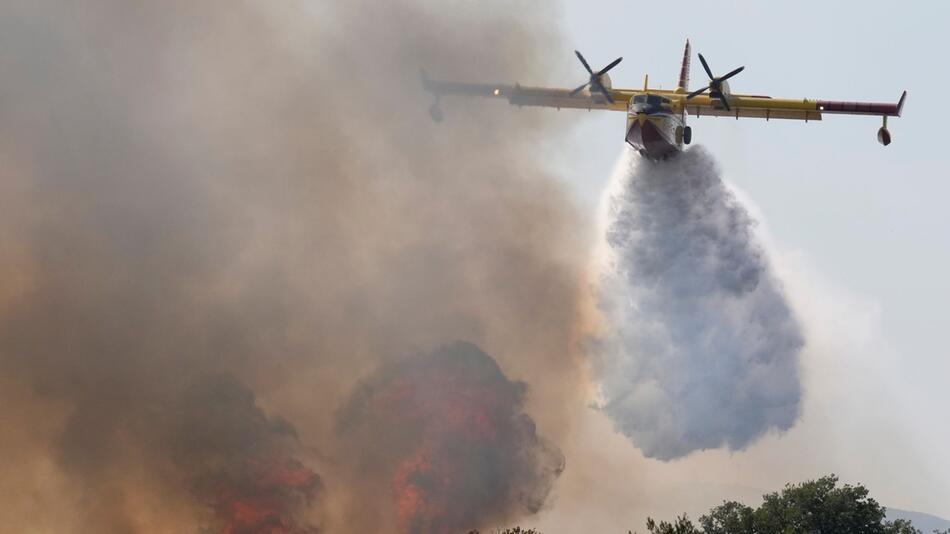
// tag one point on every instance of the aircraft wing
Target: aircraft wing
(519, 95)
(763, 107)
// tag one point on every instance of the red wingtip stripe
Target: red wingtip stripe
(684, 70)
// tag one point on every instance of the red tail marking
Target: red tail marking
(684, 71)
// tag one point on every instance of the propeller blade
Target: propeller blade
(608, 67)
(579, 89)
(706, 66)
(584, 61)
(600, 87)
(697, 92)
(725, 103)
(731, 74)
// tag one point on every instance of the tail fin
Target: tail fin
(684, 71)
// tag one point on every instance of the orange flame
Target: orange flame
(266, 499)
(449, 408)
(460, 451)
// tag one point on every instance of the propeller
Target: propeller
(715, 84)
(594, 81)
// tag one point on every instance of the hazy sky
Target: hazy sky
(859, 233)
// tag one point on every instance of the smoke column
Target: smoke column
(217, 218)
(702, 350)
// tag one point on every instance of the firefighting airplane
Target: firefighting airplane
(656, 118)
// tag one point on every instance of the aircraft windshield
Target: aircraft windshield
(650, 104)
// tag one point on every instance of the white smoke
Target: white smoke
(702, 347)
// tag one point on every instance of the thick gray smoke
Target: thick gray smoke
(703, 348)
(221, 215)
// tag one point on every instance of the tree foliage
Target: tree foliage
(512, 530)
(814, 507)
(901, 526)
(682, 525)
(729, 518)
(820, 506)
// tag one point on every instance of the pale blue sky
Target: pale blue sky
(869, 224)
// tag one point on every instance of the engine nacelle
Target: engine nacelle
(884, 136)
(724, 88)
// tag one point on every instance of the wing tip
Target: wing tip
(900, 103)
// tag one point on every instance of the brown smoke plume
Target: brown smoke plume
(217, 214)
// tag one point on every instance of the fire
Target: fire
(411, 482)
(461, 452)
(240, 462)
(264, 500)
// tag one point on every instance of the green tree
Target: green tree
(900, 526)
(682, 525)
(512, 530)
(814, 507)
(729, 518)
(820, 507)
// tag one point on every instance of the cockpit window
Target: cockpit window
(650, 104)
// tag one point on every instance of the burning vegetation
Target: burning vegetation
(240, 462)
(450, 430)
